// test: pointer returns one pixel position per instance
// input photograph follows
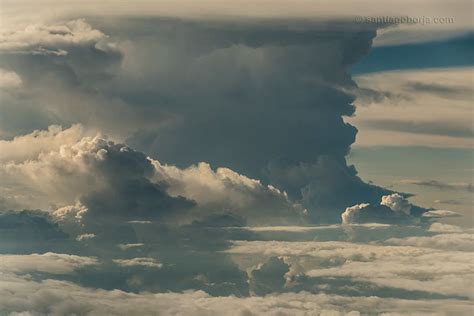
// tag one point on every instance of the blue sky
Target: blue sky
(451, 52)
(388, 166)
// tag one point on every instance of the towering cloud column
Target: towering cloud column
(264, 98)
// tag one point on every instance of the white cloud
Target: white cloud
(455, 241)
(396, 203)
(44, 39)
(440, 214)
(29, 146)
(226, 190)
(392, 208)
(302, 8)
(70, 216)
(350, 213)
(444, 228)
(446, 273)
(9, 79)
(20, 13)
(55, 263)
(440, 264)
(290, 228)
(130, 246)
(144, 262)
(329, 249)
(61, 166)
(140, 222)
(413, 34)
(84, 237)
(51, 172)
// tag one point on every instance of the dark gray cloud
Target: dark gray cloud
(366, 96)
(327, 185)
(26, 231)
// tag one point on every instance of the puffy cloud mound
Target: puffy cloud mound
(40, 39)
(393, 208)
(70, 217)
(103, 182)
(269, 277)
(26, 147)
(396, 203)
(108, 178)
(226, 190)
(84, 237)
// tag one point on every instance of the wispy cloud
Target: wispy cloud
(440, 185)
(393, 107)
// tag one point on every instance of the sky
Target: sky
(236, 158)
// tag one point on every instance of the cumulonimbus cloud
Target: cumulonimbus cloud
(215, 126)
(193, 91)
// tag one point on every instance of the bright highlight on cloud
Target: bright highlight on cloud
(441, 213)
(393, 208)
(105, 176)
(50, 39)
